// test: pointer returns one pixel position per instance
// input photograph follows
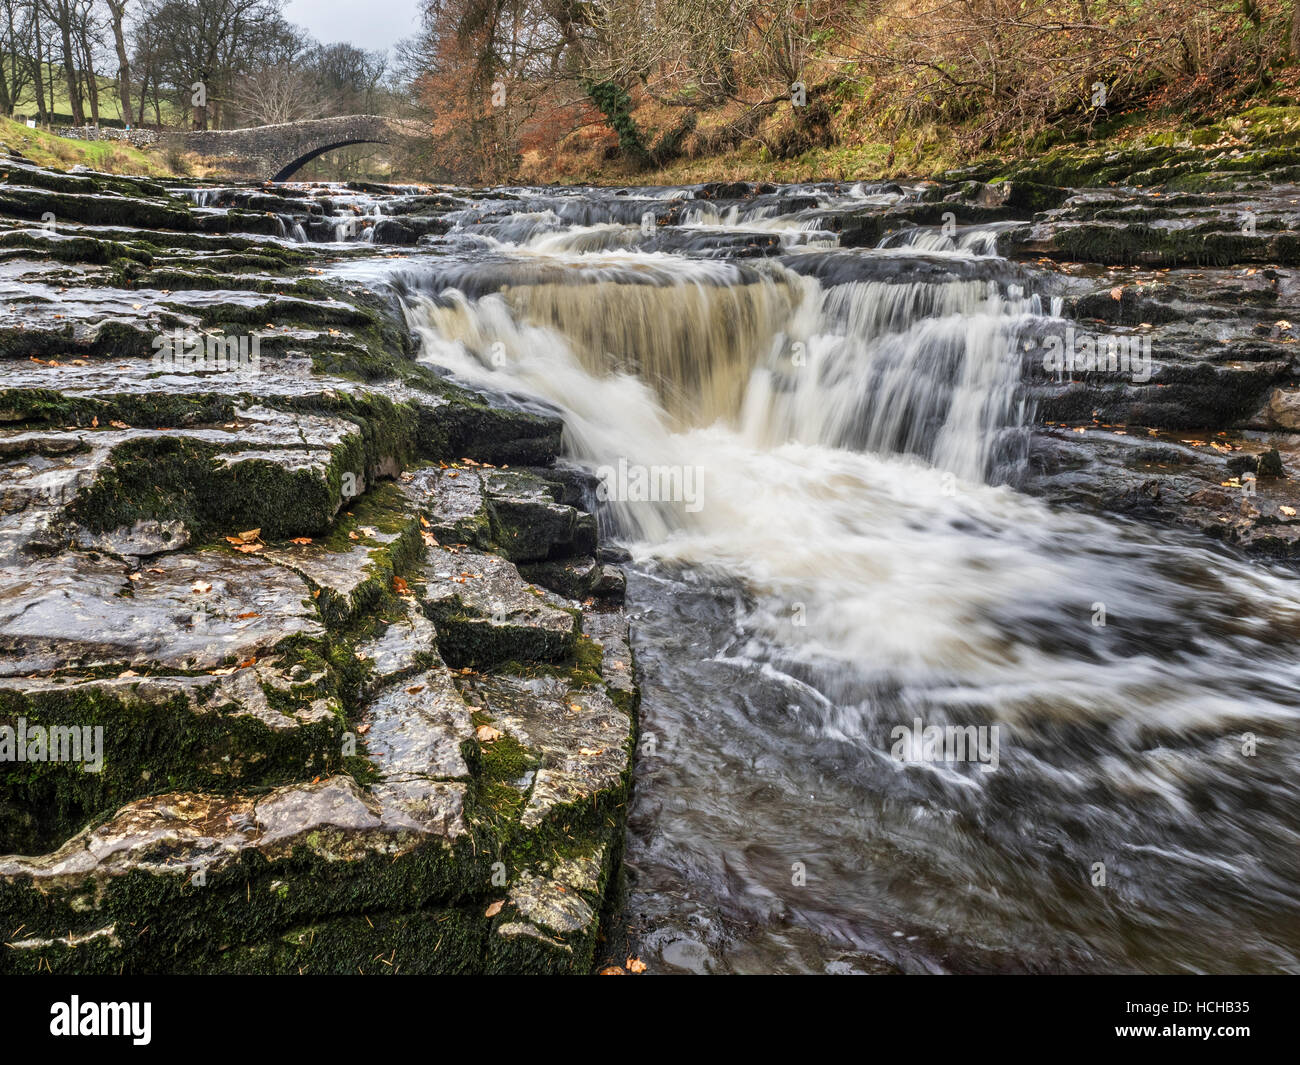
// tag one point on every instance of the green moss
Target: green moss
(496, 792)
(430, 942)
(183, 479)
(163, 921)
(150, 745)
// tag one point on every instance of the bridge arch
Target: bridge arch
(275, 153)
(287, 171)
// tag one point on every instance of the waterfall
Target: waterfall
(920, 368)
(291, 229)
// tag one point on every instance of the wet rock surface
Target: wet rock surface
(238, 696)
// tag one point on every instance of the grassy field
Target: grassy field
(45, 149)
(110, 106)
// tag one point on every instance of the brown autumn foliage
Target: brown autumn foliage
(1005, 67)
(655, 79)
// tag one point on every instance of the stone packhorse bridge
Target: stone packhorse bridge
(274, 153)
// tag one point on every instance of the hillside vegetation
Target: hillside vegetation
(45, 149)
(675, 90)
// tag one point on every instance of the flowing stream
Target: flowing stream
(838, 552)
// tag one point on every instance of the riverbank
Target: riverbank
(843, 143)
(43, 148)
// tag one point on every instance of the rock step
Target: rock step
(519, 515)
(92, 745)
(574, 741)
(510, 835)
(487, 615)
(281, 473)
(199, 871)
(292, 776)
(182, 613)
(1122, 243)
(577, 578)
(351, 569)
(548, 922)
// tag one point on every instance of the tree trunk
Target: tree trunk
(117, 9)
(70, 67)
(38, 76)
(91, 78)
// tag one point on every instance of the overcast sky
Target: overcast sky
(366, 23)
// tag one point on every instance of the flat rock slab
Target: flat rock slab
(186, 612)
(400, 649)
(417, 729)
(1168, 480)
(545, 902)
(453, 501)
(582, 740)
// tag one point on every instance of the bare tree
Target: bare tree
(117, 18)
(17, 28)
(64, 14)
(275, 94)
(86, 29)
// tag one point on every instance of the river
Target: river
(845, 554)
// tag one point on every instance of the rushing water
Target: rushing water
(845, 555)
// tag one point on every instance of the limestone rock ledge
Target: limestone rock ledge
(275, 695)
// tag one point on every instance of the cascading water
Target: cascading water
(850, 559)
